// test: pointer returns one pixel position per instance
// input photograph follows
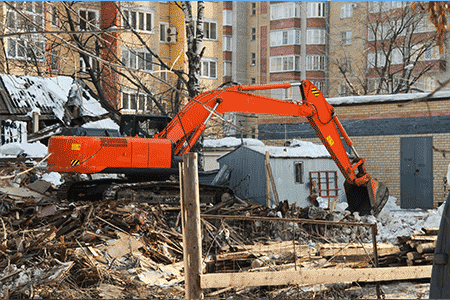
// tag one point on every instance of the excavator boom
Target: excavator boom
(134, 154)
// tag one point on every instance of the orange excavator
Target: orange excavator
(153, 157)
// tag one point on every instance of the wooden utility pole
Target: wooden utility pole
(192, 241)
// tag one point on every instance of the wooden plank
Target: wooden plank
(426, 247)
(354, 249)
(267, 181)
(431, 230)
(272, 181)
(424, 238)
(317, 276)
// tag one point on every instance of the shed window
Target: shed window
(298, 172)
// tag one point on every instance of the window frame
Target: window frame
(253, 34)
(277, 37)
(135, 52)
(137, 95)
(253, 59)
(209, 61)
(346, 37)
(88, 24)
(132, 13)
(92, 62)
(166, 26)
(227, 17)
(227, 68)
(311, 62)
(281, 11)
(253, 9)
(315, 36)
(299, 176)
(207, 30)
(280, 61)
(316, 10)
(227, 43)
(347, 10)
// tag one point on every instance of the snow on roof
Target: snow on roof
(103, 124)
(231, 142)
(50, 93)
(297, 149)
(384, 98)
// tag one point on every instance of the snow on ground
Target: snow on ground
(53, 177)
(35, 149)
(105, 123)
(231, 142)
(394, 221)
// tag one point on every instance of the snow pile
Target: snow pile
(102, 124)
(297, 149)
(231, 142)
(394, 221)
(53, 177)
(35, 149)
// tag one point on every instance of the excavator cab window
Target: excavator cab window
(144, 126)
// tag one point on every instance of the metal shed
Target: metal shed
(294, 169)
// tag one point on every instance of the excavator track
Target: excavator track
(153, 192)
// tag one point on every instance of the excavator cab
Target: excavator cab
(144, 126)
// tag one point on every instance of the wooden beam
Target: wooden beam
(314, 276)
(192, 235)
(267, 180)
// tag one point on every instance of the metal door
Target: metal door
(416, 172)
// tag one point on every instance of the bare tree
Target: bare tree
(401, 48)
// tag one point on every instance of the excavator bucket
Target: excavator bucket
(368, 199)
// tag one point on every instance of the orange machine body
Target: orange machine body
(87, 154)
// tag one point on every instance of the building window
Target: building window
(163, 32)
(285, 37)
(298, 172)
(347, 10)
(376, 59)
(25, 49)
(210, 30)
(286, 94)
(137, 59)
(346, 37)
(345, 64)
(344, 90)
(138, 20)
(136, 102)
(315, 37)
(285, 63)
(316, 9)
(93, 63)
(163, 73)
(253, 80)
(284, 10)
(253, 59)
(227, 43)
(54, 17)
(54, 61)
(253, 10)
(227, 68)
(29, 10)
(208, 69)
(88, 19)
(227, 16)
(315, 63)
(253, 35)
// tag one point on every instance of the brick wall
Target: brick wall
(382, 151)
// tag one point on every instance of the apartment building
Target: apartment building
(110, 45)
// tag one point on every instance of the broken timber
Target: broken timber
(317, 276)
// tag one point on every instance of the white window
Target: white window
(210, 30)
(316, 9)
(252, 59)
(374, 6)
(346, 37)
(315, 37)
(285, 63)
(315, 63)
(133, 101)
(253, 34)
(93, 63)
(138, 19)
(227, 17)
(88, 19)
(227, 68)
(163, 32)
(208, 69)
(298, 172)
(284, 10)
(227, 43)
(137, 59)
(54, 16)
(345, 64)
(430, 84)
(430, 53)
(346, 10)
(54, 61)
(285, 37)
(396, 57)
(32, 10)
(379, 57)
(25, 49)
(344, 89)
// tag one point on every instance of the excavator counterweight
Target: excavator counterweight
(158, 153)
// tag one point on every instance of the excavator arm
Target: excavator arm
(364, 194)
